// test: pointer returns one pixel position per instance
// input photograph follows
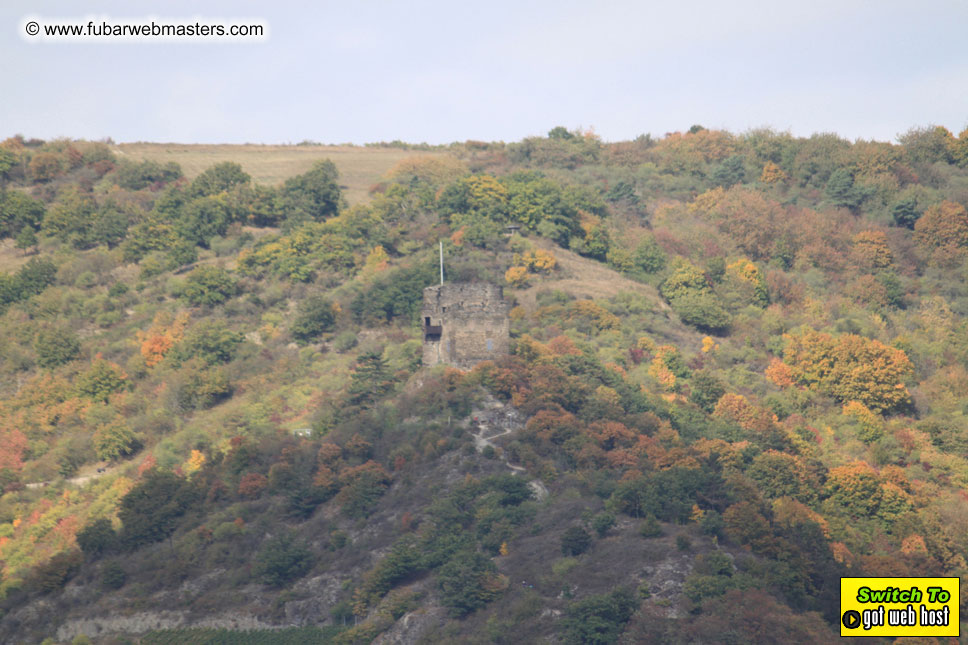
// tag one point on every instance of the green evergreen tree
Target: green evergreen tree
(905, 212)
(841, 190)
(731, 171)
(370, 379)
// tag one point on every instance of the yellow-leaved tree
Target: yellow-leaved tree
(517, 277)
(869, 250)
(772, 174)
(850, 368)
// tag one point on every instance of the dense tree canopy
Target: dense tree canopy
(741, 356)
(851, 368)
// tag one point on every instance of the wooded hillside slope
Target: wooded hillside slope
(739, 372)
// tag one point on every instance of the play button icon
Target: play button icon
(851, 619)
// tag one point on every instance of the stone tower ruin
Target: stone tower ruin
(464, 323)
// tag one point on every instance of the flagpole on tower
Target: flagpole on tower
(441, 262)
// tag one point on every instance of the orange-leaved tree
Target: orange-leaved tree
(943, 231)
(850, 368)
(162, 336)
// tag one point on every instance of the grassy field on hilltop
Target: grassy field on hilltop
(359, 167)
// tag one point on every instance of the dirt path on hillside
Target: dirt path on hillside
(481, 442)
(80, 480)
(497, 420)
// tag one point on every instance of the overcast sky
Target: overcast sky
(438, 72)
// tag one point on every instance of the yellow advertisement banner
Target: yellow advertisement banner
(899, 606)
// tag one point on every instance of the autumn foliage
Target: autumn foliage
(779, 373)
(671, 376)
(850, 368)
(943, 231)
(862, 492)
(252, 485)
(161, 337)
(870, 250)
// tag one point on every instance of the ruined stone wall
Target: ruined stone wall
(464, 323)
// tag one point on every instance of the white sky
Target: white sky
(415, 70)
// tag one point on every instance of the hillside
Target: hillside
(359, 167)
(738, 372)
